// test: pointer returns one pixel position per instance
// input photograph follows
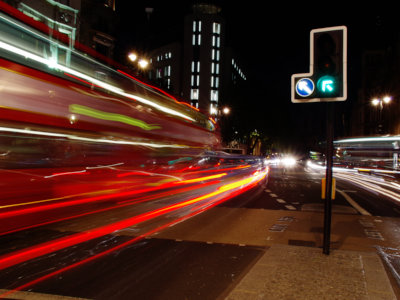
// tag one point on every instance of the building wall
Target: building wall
(203, 54)
(166, 65)
(204, 70)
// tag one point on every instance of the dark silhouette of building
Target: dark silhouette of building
(200, 68)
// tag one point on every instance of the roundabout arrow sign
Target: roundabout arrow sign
(305, 87)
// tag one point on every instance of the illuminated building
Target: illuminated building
(201, 68)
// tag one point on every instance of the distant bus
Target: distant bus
(368, 152)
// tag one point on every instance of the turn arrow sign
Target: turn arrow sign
(327, 85)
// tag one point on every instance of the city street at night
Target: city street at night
(199, 150)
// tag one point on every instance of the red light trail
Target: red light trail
(61, 243)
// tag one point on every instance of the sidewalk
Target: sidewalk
(294, 266)
(295, 272)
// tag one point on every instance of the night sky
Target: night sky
(273, 43)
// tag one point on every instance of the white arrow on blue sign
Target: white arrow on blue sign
(305, 87)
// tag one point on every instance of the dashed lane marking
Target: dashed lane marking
(290, 207)
(273, 195)
(280, 200)
(278, 227)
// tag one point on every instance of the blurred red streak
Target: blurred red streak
(198, 210)
(61, 243)
(118, 205)
(87, 200)
(215, 170)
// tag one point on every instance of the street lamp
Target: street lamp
(142, 62)
(380, 102)
(132, 56)
(226, 110)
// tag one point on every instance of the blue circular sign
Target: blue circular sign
(305, 87)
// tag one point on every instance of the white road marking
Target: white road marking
(290, 207)
(354, 204)
(280, 200)
(273, 195)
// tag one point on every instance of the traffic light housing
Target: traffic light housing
(327, 79)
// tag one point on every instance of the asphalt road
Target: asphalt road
(299, 189)
(160, 268)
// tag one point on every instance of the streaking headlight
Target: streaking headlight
(288, 161)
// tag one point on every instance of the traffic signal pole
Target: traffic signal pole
(326, 81)
(329, 165)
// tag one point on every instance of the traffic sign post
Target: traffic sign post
(325, 82)
(328, 68)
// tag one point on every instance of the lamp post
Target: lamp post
(140, 63)
(380, 102)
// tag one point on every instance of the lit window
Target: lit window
(199, 39)
(214, 95)
(195, 67)
(216, 28)
(199, 26)
(213, 109)
(195, 80)
(194, 26)
(193, 40)
(194, 94)
(195, 104)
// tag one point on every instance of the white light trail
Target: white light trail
(80, 138)
(54, 65)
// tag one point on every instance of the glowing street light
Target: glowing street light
(226, 110)
(375, 101)
(380, 102)
(387, 99)
(143, 63)
(132, 56)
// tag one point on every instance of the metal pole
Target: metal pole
(328, 191)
